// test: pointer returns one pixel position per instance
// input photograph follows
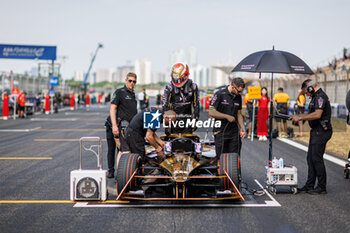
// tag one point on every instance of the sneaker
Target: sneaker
(110, 175)
(304, 189)
(264, 138)
(284, 136)
(317, 191)
(260, 138)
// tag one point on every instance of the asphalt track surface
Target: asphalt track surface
(37, 155)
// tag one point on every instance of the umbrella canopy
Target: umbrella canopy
(273, 61)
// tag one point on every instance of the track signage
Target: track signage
(54, 81)
(254, 92)
(11, 51)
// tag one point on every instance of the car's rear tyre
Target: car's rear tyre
(230, 163)
(127, 166)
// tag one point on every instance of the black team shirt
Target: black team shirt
(126, 105)
(225, 102)
(136, 123)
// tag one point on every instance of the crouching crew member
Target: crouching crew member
(181, 96)
(136, 133)
(319, 118)
(226, 106)
(123, 109)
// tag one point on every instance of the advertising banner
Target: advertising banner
(32, 52)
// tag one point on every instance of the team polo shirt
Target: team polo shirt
(225, 102)
(282, 100)
(320, 101)
(301, 100)
(126, 104)
(137, 125)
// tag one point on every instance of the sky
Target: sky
(314, 30)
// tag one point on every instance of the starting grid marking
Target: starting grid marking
(61, 140)
(19, 130)
(25, 158)
(268, 203)
(126, 204)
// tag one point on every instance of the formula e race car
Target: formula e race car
(190, 171)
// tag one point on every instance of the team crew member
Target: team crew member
(136, 133)
(226, 106)
(282, 100)
(181, 96)
(301, 109)
(123, 109)
(319, 118)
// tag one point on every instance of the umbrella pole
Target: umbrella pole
(270, 122)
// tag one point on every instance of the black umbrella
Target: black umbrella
(272, 61)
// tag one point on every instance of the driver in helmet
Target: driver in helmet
(181, 96)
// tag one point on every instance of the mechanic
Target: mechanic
(282, 100)
(181, 95)
(136, 133)
(226, 106)
(319, 118)
(123, 109)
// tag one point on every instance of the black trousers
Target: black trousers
(227, 144)
(135, 142)
(315, 162)
(112, 149)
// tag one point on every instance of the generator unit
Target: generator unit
(89, 184)
(282, 176)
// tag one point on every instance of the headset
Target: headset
(308, 85)
(311, 90)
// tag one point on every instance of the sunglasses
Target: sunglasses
(131, 81)
(239, 92)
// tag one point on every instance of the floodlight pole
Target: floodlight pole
(84, 84)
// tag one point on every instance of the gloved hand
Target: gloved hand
(160, 156)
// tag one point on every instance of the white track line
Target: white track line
(305, 148)
(83, 113)
(54, 119)
(268, 203)
(19, 130)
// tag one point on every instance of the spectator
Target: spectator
(22, 104)
(145, 99)
(249, 114)
(263, 115)
(141, 100)
(159, 101)
(282, 100)
(38, 102)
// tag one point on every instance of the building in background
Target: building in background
(103, 74)
(177, 56)
(122, 71)
(143, 70)
(79, 75)
(192, 56)
(160, 77)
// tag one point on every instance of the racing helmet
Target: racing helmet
(179, 74)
